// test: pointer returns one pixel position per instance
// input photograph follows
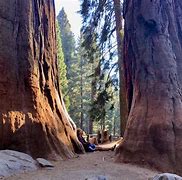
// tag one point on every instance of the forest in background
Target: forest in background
(89, 70)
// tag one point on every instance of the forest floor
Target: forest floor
(88, 166)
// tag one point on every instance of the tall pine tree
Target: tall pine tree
(68, 41)
(62, 70)
(73, 65)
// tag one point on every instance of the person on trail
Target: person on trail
(87, 146)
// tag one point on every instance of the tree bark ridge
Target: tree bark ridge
(152, 59)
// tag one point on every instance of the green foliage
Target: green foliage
(99, 30)
(113, 116)
(68, 41)
(90, 67)
(63, 81)
(73, 67)
(84, 71)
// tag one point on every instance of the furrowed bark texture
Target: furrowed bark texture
(153, 74)
(33, 118)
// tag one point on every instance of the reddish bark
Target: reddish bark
(153, 73)
(32, 114)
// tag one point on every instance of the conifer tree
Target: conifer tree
(62, 70)
(72, 62)
(68, 41)
(99, 27)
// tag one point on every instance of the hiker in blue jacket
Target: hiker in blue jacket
(87, 146)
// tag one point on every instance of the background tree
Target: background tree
(33, 117)
(91, 56)
(153, 73)
(122, 91)
(62, 70)
(72, 62)
(99, 27)
(68, 41)
(88, 85)
(85, 86)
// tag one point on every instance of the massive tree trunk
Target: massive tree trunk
(153, 69)
(122, 91)
(33, 118)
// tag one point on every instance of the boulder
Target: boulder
(12, 162)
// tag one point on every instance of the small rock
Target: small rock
(167, 176)
(102, 178)
(44, 163)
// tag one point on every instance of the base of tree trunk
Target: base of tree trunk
(40, 135)
(154, 154)
(141, 159)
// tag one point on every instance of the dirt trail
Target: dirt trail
(88, 166)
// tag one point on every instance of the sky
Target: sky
(71, 7)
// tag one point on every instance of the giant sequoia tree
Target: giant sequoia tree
(153, 73)
(32, 114)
